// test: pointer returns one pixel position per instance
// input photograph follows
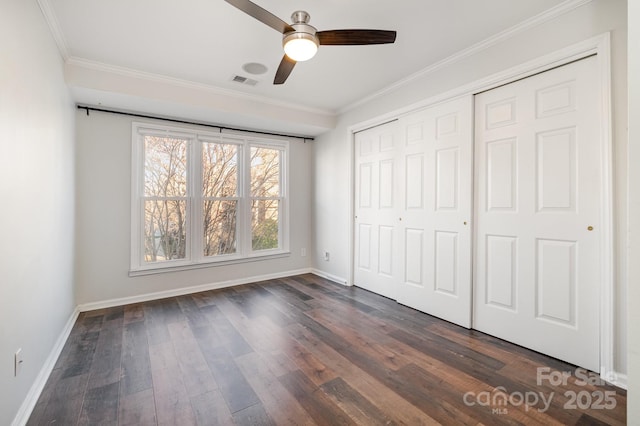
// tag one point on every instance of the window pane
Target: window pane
(265, 172)
(264, 224)
(165, 167)
(164, 230)
(219, 170)
(220, 227)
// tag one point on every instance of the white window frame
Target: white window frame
(194, 250)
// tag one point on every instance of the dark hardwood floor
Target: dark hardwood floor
(304, 351)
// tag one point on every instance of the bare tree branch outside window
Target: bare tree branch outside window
(265, 198)
(220, 198)
(165, 190)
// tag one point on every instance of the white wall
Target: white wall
(37, 199)
(633, 396)
(332, 150)
(104, 218)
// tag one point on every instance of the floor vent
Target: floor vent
(244, 80)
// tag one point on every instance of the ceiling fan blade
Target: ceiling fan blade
(285, 68)
(261, 15)
(355, 37)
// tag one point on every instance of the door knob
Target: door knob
(590, 228)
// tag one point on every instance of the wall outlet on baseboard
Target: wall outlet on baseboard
(326, 255)
(18, 360)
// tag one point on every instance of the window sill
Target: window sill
(209, 264)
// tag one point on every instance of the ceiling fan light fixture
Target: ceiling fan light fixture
(301, 40)
(300, 46)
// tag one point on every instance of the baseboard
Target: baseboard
(31, 399)
(330, 277)
(620, 380)
(187, 290)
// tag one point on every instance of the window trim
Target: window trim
(195, 258)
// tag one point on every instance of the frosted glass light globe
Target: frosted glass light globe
(300, 47)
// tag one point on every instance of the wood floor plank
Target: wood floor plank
(322, 293)
(254, 415)
(279, 317)
(195, 372)
(230, 337)
(360, 409)
(158, 314)
(367, 342)
(137, 409)
(173, 406)
(80, 357)
(315, 402)
(133, 313)
(301, 350)
(312, 367)
(190, 309)
(286, 291)
(114, 315)
(205, 298)
(136, 366)
(100, 405)
(272, 394)
(211, 409)
(172, 402)
(246, 326)
(65, 404)
(457, 356)
(234, 387)
(106, 366)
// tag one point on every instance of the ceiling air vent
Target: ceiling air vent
(244, 80)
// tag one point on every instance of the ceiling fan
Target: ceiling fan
(301, 40)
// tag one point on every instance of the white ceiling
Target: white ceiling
(201, 44)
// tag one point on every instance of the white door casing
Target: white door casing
(435, 231)
(537, 191)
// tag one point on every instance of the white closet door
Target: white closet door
(435, 231)
(538, 187)
(377, 201)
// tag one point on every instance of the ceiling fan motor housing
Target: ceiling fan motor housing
(300, 17)
(302, 31)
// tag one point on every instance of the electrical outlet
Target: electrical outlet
(303, 252)
(18, 361)
(326, 256)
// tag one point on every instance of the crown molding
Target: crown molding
(54, 27)
(541, 18)
(187, 84)
(56, 32)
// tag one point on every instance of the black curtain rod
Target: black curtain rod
(195, 123)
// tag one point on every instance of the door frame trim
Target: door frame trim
(601, 47)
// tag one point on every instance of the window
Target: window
(201, 198)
